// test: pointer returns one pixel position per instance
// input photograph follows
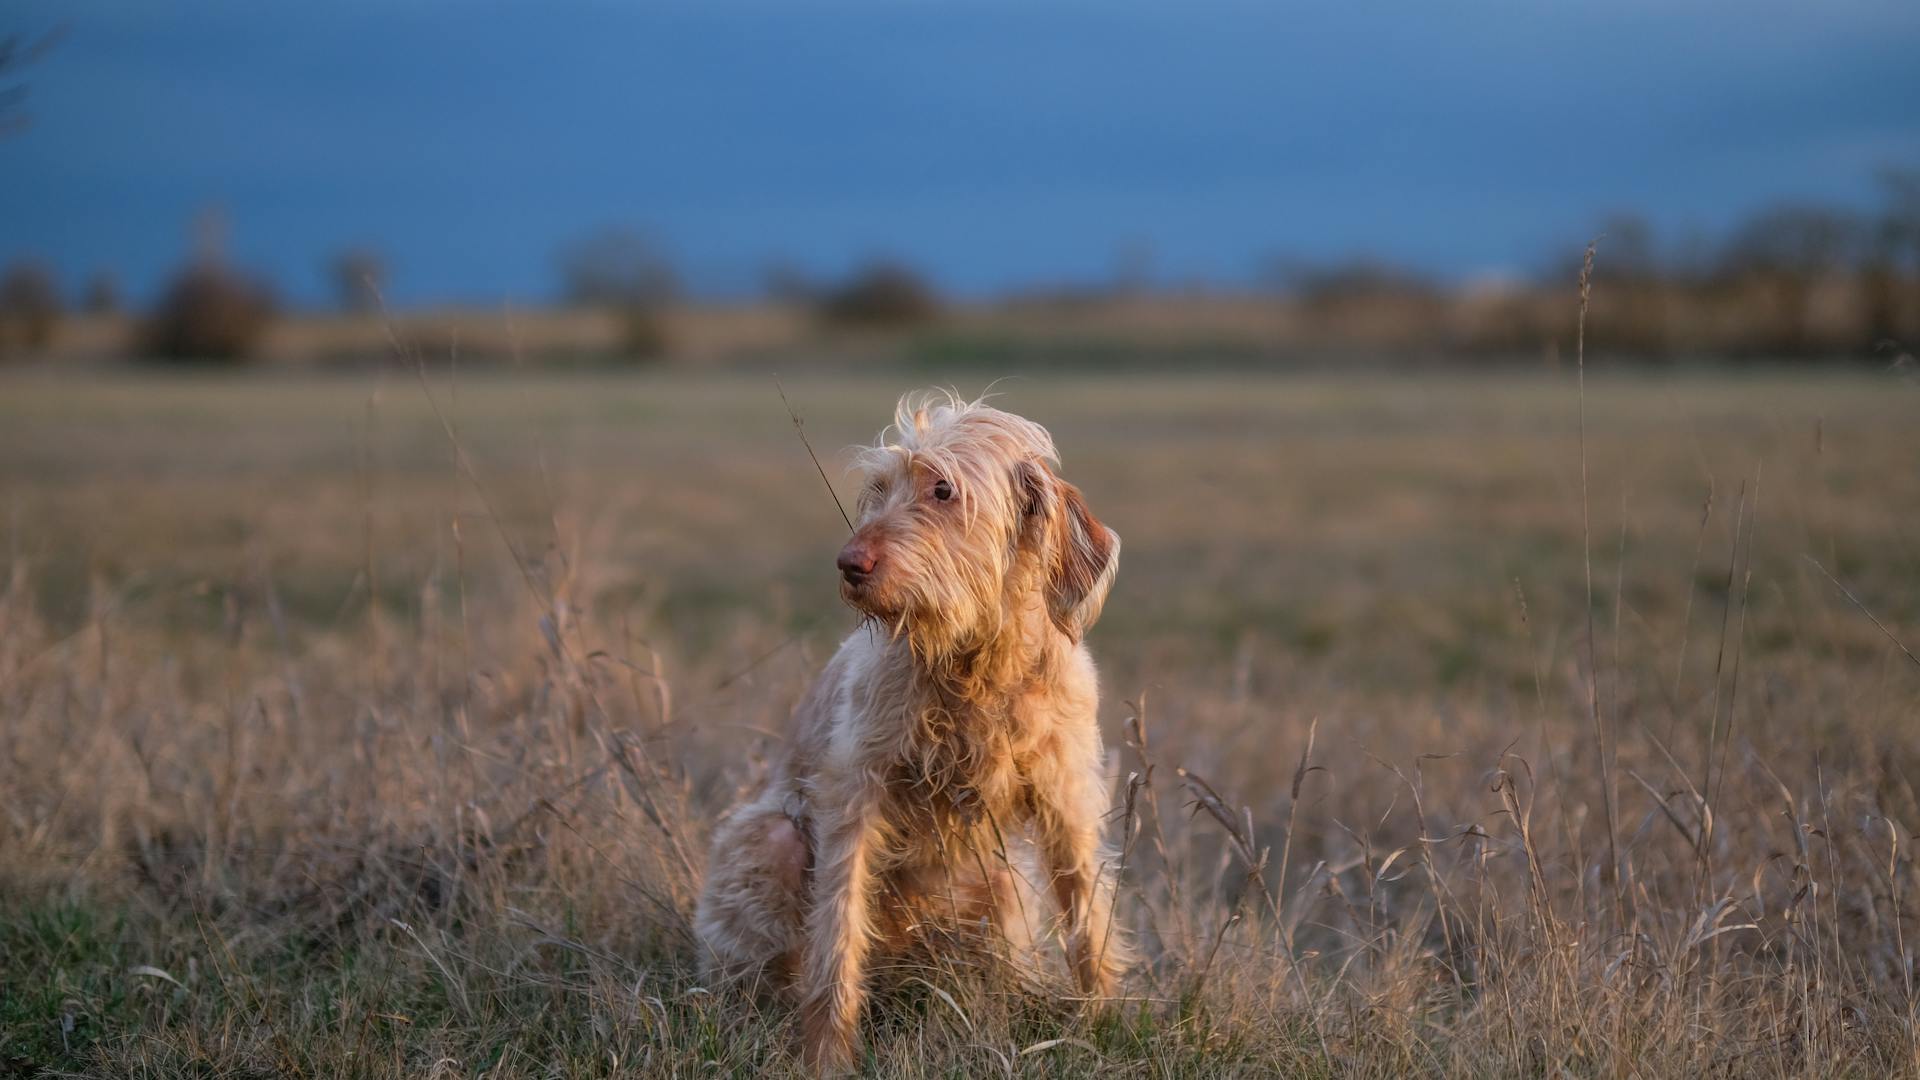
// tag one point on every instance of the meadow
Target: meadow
(373, 724)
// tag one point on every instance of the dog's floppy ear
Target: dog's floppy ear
(1081, 554)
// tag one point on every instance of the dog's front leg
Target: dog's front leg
(838, 931)
(1068, 806)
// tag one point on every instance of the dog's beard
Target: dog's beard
(873, 601)
(924, 619)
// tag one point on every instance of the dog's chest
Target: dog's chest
(955, 768)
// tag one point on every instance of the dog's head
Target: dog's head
(964, 525)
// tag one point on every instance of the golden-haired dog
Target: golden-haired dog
(960, 716)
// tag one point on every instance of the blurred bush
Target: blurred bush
(209, 312)
(881, 294)
(29, 307)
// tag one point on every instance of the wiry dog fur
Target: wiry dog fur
(959, 717)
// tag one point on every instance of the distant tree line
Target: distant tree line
(1793, 280)
(211, 311)
(625, 272)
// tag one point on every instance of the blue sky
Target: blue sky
(997, 145)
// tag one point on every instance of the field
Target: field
(373, 725)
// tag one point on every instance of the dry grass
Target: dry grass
(320, 758)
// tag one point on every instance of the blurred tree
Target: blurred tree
(1901, 190)
(621, 270)
(881, 293)
(1693, 257)
(29, 307)
(1890, 274)
(1787, 250)
(617, 267)
(1880, 282)
(1631, 277)
(1631, 253)
(359, 279)
(209, 311)
(102, 294)
(1364, 300)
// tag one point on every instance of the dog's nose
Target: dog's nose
(856, 561)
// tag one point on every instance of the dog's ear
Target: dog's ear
(1082, 555)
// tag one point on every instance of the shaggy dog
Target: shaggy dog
(960, 716)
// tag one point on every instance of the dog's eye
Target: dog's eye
(942, 490)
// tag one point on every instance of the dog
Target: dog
(960, 715)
